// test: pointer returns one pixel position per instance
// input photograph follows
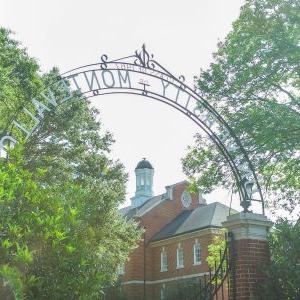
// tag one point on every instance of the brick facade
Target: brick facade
(250, 253)
(165, 228)
(251, 256)
(143, 278)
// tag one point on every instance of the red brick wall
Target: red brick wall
(154, 221)
(153, 273)
(189, 267)
(164, 213)
(250, 257)
(134, 268)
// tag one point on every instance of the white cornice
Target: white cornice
(165, 279)
(248, 226)
(185, 236)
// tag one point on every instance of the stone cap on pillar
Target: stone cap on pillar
(248, 226)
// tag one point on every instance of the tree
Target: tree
(254, 83)
(284, 269)
(62, 235)
(216, 251)
(19, 77)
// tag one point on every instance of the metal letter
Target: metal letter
(197, 108)
(121, 78)
(6, 138)
(75, 82)
(208, 120)
(40, 107)
(22, 128)
(188, 101)
(112, 78)
(224, 135)
(67, 88)
(31, 115)
(50, 99)
(164, 87)
(91, 83)
(178, 91)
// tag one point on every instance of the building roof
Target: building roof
(132, 211)
(124, 210)
(204, 216)
(149, 204)
(144, 164)
(208, 216)
(128, 212)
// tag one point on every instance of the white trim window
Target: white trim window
(163, 292)
(169, 192)
(163, 260)
(197, 253)
(180, 256)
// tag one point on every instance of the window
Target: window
(162, 292)
(148, 180)
(186, 199)
(121, 269)
(197, 253)
(180, 258)
(163, 260)
(169, 192)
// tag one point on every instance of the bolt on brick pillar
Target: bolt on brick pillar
(250, 252)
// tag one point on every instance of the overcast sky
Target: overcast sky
(182, 35)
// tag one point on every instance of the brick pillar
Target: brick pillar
(250, 253)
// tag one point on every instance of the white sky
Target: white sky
(182, 35)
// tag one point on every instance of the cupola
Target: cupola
(144, 182)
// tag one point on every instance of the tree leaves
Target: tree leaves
(284, 270)
(254, 83)
(61, 233)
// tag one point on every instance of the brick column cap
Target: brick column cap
(248, 226)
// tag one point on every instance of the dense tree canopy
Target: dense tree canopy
(19, 77)
(61, 234)
(284, 269)
(254, 83)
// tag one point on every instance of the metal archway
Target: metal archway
(140, 74)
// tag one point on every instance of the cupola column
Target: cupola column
(144, 182)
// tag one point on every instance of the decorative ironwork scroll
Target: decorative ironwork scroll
(141, 74)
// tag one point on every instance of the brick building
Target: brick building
(179, 226)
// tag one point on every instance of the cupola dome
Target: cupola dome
(144, 164)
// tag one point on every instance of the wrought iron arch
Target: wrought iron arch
(123, 76)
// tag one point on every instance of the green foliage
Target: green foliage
(284, 270)
(58, 237)
(254, 83)
(215, 251)
(62, 236)
(215, 255)
(185, 289)
(19, 77)
(11, 285)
